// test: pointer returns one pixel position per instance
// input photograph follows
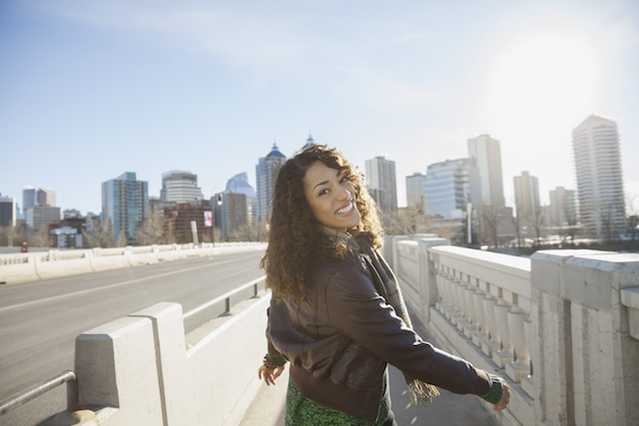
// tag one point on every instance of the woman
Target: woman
(337, 314)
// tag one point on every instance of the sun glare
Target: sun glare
(547, 78)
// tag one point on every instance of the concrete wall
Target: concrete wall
(137, 369)
(24, 267)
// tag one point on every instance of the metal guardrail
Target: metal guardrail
(226, 297)
(67, 377)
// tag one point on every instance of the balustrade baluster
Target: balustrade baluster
(519, 367)
(489, 343)
(503, 355)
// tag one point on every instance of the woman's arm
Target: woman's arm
(357, 310)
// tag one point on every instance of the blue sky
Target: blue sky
(91, 89)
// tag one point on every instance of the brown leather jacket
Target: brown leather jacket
(340, 339)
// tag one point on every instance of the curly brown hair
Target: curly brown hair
(295, 236)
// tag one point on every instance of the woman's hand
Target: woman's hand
(505, 398)
(269, 374)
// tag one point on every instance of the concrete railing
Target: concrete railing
(25, 267)
(139, 370)
(562, 327)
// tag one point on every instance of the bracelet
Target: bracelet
(496, 389)
(272, 361)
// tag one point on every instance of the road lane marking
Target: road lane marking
(91, 290)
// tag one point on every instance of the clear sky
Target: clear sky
(90, 89)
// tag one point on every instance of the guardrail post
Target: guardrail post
(227, 306)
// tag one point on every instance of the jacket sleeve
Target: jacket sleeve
(357, 310)
(273, 356)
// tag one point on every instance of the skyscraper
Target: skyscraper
(309, 142)
(600, 192)
(527, 197)
(239, 184)
(266, 175)
(447, 187)
(415, 191)
(380, 177)
(563, 207)
(487, 185)
(39, 217)
(125, 204)
(7, 211)
(180, 186)
(32, 197)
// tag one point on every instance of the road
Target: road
(39, 321)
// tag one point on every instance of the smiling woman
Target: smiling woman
(542, 78)
(337, 314)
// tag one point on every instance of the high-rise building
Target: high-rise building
(266, 174)
(71, 213)
(527, 197)
(415, 191)
(7, 211)
(125, 204)
(487, 187)
(240, 184)
(447, 188)
(602, 209)
(39, 217)
(32, 197)
(563, 207)
(231, 212)
(179, 218)
(309, 142)
(180, 186)
(380, 177)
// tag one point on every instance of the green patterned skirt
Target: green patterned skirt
(301, 411)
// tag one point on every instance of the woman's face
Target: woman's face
(331, 197)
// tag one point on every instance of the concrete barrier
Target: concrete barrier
(17, 268)
(137, 370)
(107, 259)
(55, 264)
(20, 267)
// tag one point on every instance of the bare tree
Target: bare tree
(537, 222)
(40, 237)
(152, 231)
(633, 216)
(488, 222)
(402, 221)
(5, 238)
(100, 235)
(517, 225)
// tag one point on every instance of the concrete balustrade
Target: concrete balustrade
(561, 327)
(25, 267)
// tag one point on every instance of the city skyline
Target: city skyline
(102, 88)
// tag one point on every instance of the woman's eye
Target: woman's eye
(322, 192)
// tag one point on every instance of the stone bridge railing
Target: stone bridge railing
(562, 327)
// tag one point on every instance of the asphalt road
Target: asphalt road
(39, 321)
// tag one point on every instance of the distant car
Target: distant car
(24, 247)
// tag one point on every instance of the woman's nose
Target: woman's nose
(343, 193)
